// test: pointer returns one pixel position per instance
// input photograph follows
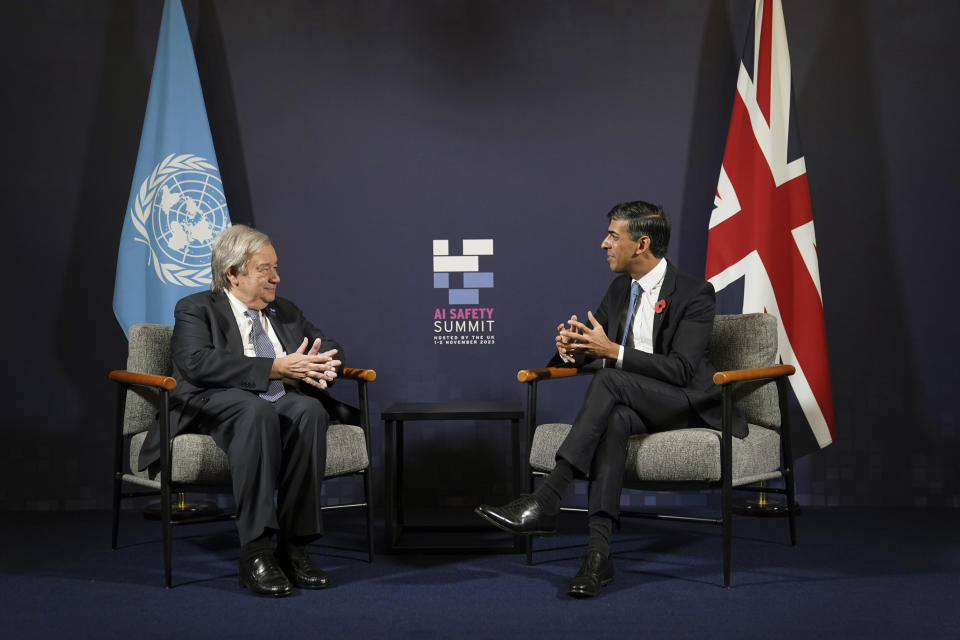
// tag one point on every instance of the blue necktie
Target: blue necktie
(263, 348)
(635, 291)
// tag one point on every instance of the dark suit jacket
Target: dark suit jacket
(681, 333)
(207, 352)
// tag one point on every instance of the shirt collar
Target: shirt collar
(239, 309)
(654, 278)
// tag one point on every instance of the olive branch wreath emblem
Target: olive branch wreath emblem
(140, 214)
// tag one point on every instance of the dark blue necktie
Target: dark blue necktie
(263, 348)
(635, 291)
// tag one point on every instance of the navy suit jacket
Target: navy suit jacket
(681, 333)
(207, 353)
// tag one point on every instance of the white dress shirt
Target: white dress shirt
(246, 328)
(651, 282)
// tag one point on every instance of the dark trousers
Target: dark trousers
(272, 447)
(617, 405)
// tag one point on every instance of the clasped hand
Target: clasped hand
(312, 367)
(579, 338)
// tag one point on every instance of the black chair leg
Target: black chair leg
(726, 478)
(118, 464)
(727, 531)
(786, 457)
(367, 482)
(791, 511)
(116, 513)
(165, 516)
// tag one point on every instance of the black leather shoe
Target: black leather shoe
(523, 516)
(596, 572)
(262, 576)
(299, 567)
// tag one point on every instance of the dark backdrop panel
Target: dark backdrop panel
(358, 133)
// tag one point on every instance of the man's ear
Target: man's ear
(643, 245)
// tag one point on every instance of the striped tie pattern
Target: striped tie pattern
(263, 348)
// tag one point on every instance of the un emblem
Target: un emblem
(179, 210)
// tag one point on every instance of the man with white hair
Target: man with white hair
(251, 372)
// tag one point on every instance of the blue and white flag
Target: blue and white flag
(177, 205)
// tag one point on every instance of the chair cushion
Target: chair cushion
(346, 450)
(682, 455)
(547, 438)
(694, 455)
(148, 352)
(198, 460)
(748, 341)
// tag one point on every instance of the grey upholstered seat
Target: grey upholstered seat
(684, 455)
(198, 460)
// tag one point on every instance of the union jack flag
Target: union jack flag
(761, 228)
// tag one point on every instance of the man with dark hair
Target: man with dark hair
(651, 332)
(245, 377)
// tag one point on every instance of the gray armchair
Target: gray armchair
(743, 349)
(193, 462)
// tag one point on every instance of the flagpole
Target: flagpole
(176, 208)
(182, 510)
(764, 504)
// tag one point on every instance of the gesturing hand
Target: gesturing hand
(591, 341)
(564, 341)
(312, 367)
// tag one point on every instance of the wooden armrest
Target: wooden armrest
(740, 375)
(545, 373)
(147, 379)
(367, 375)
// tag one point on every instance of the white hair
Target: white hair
(231, 250)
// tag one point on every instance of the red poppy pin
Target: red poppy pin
(660, 306)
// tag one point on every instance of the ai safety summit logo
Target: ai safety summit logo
(463, 318)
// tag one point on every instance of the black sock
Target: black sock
(287, 545)
(551, 490)
(255, 547)
(600, 527)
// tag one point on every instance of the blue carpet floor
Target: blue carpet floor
(857, 573)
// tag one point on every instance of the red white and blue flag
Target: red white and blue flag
(761, 228)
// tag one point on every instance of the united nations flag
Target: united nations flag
(177, 205)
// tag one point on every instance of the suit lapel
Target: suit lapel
(226, 322)
(666, 291)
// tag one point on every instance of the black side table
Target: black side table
(394, 417)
